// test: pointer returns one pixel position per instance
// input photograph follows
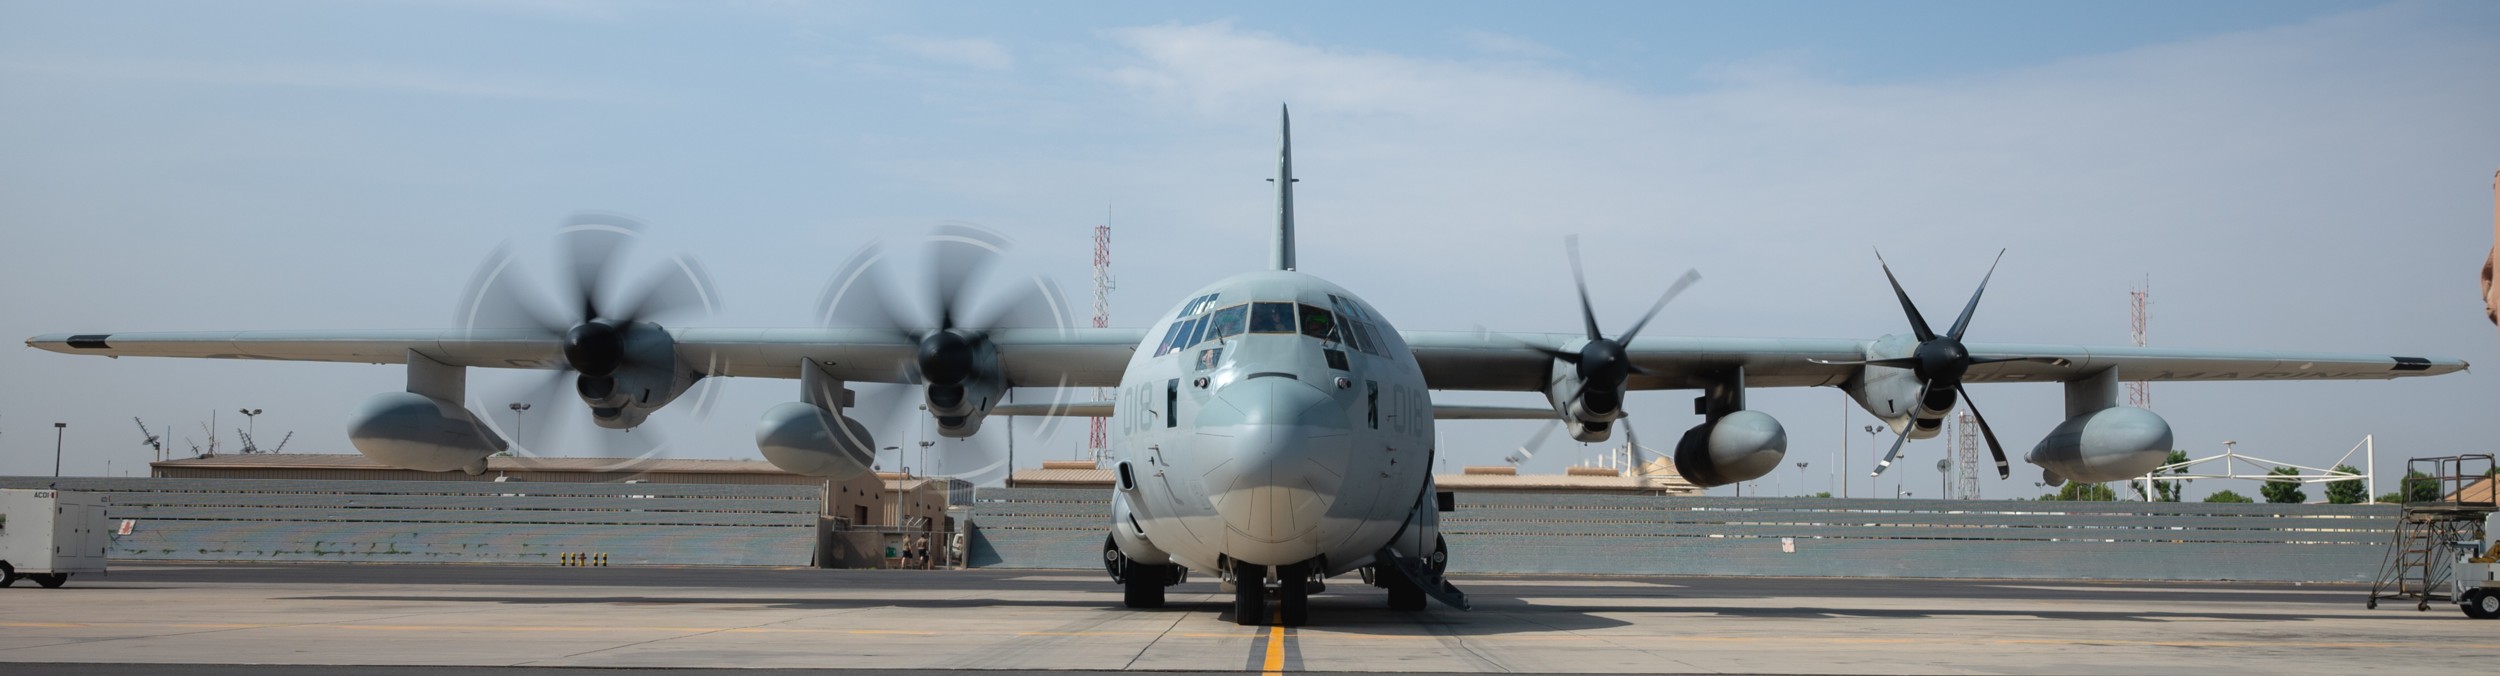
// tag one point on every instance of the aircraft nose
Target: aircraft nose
(1285, 442)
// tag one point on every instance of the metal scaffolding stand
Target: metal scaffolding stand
(2444, 511)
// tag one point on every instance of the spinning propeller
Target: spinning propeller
(964, 294)
(604, 322)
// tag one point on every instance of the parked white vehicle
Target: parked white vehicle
(48, 535)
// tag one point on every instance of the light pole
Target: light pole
(517, 409)
(58, 430)
(1801, 478)
(1942, 465)
(251, 427)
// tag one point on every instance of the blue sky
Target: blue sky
(2292, 176)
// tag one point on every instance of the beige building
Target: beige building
(863, 516)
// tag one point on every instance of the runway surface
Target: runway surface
(242, 619)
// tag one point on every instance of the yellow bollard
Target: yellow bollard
(564, 559)
(603, 559)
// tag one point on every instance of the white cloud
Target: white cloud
(973, 52)
(1497, 44)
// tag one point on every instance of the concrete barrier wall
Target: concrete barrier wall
(1807, 537)
(454, 521)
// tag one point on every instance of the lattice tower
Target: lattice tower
(2140, 393)
(1098, 438)
(1966, 456)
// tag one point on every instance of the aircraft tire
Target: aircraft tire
(1144, 585)
(2480, 604)
(8, 574)
(1249, 594)
(1293, 602)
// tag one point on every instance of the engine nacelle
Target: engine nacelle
(414, 431)
(1739, 446)
(1891, 393)
(802, 439)
(2110, 444)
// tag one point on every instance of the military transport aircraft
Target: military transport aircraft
(1273, 429)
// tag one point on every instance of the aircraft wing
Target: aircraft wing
(1032, 357)
(1475, 360)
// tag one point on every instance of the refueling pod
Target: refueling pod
(810, 436)
(1739, 446)
(2110, 444)
(414, 431)
(803, 439)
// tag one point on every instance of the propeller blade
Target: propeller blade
(1901, 362)
(2003, 470)
(1895, 453)
(1036, 303)
(1918, 324)
(960, 254)
(1568, 357)
(588, 245)
(549, 400)
(498, 297)
(1681, 283)
(2053, 361)
(680, 288)
(859, 296)
(1528, 450)
(1588, 315)
(1963, 322)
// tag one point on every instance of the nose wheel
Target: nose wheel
(1249, 594)
(1293, 594)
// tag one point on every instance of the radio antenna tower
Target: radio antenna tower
(2140, 393)
(1966, 457)
(1098, 438)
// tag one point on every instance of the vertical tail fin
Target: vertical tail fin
(1282, 257)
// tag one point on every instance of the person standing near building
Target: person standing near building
(2491, 301)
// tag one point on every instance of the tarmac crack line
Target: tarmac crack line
(1150, 645)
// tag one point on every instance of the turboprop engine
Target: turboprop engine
(2110, 444)
(1739, 446)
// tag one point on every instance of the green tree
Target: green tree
(2227, 496)
(2419, 487)
(2347, 491)
(2391, 498)
(2168, 491)
(2283, 491)
(1823, 494)
(2076, 490)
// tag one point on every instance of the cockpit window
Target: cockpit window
(1169, 335)
(1197, 305)
(1228, 322)
(1318, 323)
(1271, 318)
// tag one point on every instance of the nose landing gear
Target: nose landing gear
(1293, 594)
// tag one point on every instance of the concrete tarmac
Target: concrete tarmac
(244, 619)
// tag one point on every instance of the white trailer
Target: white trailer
(48, 535)
(2477, 573)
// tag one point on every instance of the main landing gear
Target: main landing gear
(1293, 594)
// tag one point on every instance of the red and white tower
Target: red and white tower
(2140, 393)
(1098, 439)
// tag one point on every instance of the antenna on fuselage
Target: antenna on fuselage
(1282, 257)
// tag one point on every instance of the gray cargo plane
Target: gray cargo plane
(1273, 429)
